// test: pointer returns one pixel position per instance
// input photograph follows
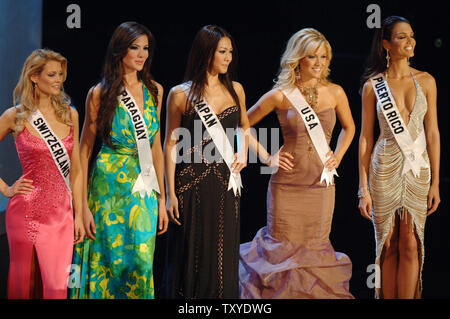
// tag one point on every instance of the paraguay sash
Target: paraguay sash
(412, 150)
(55, 146)
(218, 136)
(314, 128)
(147, 180)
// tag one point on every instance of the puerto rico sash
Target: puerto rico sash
(412, 150)
(218, 136)
(54, 144)
(314, 128)
(147, 180)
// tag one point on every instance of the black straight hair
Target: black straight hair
(200, 61)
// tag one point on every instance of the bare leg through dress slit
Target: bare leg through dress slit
(408, 275)
(389, 261)
(400, 260)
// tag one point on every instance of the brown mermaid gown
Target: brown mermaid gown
(292, 256)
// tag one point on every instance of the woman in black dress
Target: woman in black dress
(202, 199)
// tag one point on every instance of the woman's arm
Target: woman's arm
(433, 142)
(175, 106)
(266, 104)
(158, 160)
(76, 180)
(240, 163)
(21, 186)
(348, 126)
(365, 147)
(88, 134)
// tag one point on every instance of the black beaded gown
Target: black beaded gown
(203, 255)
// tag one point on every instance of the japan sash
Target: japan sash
(412, 150)
(218, 136)
(147, 180)
(314, 128)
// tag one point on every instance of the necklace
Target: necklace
(386, 74)
(311, 94)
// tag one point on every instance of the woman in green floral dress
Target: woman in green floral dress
(121, 213)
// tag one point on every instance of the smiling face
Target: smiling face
(223, 56)
(313, 64)
(137, 55)
(402, 41)
(50, 80)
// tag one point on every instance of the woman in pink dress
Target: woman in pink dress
(40, 222)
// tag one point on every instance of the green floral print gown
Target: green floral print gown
(119, 263)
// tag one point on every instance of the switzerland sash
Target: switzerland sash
(54, 144)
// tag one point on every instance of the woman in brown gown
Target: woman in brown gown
(292, 256)
(401, 201)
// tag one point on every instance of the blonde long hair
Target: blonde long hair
(300, 45)
(24, 95)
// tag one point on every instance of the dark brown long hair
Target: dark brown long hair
(112, 81)
(376, 63)
(201, 58)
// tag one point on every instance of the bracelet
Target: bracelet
(265, 160)
(362, 192)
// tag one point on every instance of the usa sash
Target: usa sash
(314, 129)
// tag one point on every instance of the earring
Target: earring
(387, 58)
(297, 73)
(408, 60)
(34, 90)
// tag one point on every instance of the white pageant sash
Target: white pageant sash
(314, 128)
(54, 144)
(147, 179)
(412, 150)
(218, 136)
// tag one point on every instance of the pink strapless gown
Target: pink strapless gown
(39, 225)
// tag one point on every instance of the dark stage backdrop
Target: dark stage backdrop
(20, 33)
(261, 30)
(18, 20)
